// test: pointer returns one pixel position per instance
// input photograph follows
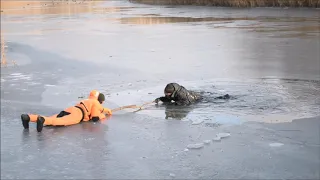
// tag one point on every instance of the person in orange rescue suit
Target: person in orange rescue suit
(85, 110)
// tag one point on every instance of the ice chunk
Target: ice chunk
(195, 146)
(33, 83)
(26, 77)
(223, 135)
(172, 175)
(16, 74)
(186, 150)
(216, 139)
(206, 141)
(197, 122)
(276, 144)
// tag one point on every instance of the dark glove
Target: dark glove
(95, 119)
(157, 100)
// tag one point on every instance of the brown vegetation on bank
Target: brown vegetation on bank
(27, 7)
(236, 3)
(4, 61)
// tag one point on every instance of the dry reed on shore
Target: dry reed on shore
(4, 61)
(236, 3)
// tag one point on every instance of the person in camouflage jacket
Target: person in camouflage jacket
(179, 94)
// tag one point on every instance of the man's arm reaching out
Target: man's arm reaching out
(163, 99)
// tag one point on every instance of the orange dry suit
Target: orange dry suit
(85, 110)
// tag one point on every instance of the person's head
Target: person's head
(101, 98)
(169, 89)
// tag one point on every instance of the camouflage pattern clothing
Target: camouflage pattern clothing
(180, 95)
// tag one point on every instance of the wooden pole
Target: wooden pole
(124, 107)
(131, 106)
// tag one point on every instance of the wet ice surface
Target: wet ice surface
(266, 100)
(130, 56)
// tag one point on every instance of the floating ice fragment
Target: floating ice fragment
(33, 83)
(26, 78)
(197, 122)
(276, 144)
(16, 74)
(216, 139)
(223, 135)
(172, 175)
(206, 141)
(186, 150)
(195, 146)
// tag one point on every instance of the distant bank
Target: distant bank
(32, 7)
(236, 3)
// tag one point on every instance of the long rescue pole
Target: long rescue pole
(125, 107)
(132, 107)
(147, 103)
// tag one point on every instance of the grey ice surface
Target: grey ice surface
(272, 77)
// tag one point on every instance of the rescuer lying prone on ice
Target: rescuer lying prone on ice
(85, 110)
